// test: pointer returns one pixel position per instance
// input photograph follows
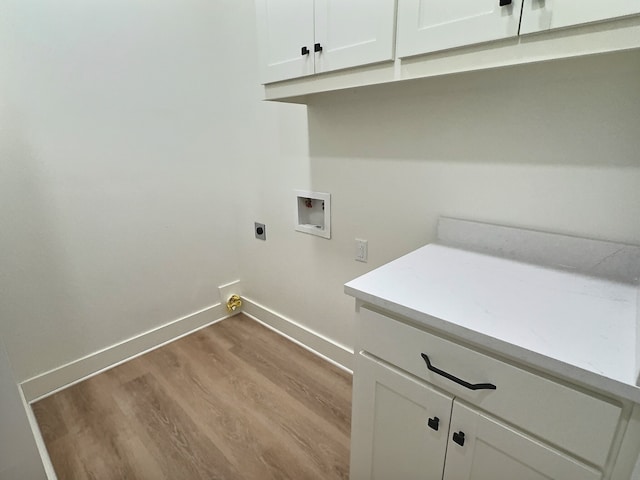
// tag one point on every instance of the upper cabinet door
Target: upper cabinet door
(429, 25)
(541, 15)
(353, 32)
(481, 448)
(284, 29)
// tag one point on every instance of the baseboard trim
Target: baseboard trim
(64, 376)
(54, 380)
(37, 436)
(328, 349)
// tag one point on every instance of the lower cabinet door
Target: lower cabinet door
(399, 425)
(481, 448)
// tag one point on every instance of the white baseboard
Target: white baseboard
(325, 347)
(50, 382)
(37, 435)
(64, 376)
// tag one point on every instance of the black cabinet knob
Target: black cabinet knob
(504, 3)
(317, 47)
(434, 423)
(304, 51)
(458, 437)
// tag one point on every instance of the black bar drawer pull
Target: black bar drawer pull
(504, 3)
(434, 423)
(458, 437)
(459, 381)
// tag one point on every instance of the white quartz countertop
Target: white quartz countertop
(580, 327)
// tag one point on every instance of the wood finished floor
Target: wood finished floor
(231, 401)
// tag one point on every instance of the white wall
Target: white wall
(19, 458)
(118, 147)
(552, 147)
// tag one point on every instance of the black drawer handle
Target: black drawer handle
(458, 437)
(434, 423)
(470, 386)
(304, 51)
(317, 47)
(504, 3)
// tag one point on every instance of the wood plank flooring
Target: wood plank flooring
(231, 401)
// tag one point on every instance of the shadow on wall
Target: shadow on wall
(570, 112)
(33, 295)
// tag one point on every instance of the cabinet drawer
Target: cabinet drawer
(567, 418)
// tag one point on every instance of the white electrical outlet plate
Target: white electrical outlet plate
(232, 288)
(362, 250)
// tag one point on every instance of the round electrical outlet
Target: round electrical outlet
(260, 231)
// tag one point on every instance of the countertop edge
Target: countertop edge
(510, 351)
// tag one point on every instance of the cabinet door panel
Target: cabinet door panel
(390, 436)
(494, 451)
(541, 15)
(284, 27)
(428, 25)
(354, 32)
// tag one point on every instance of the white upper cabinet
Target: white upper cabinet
(285, 29)
(353, 32)
(302, 37)
(301, 40)
(541, 15)
(429, 25)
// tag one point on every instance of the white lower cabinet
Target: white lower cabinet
(405, 429)
(400, 426)
(427, 407)
(491, 450)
